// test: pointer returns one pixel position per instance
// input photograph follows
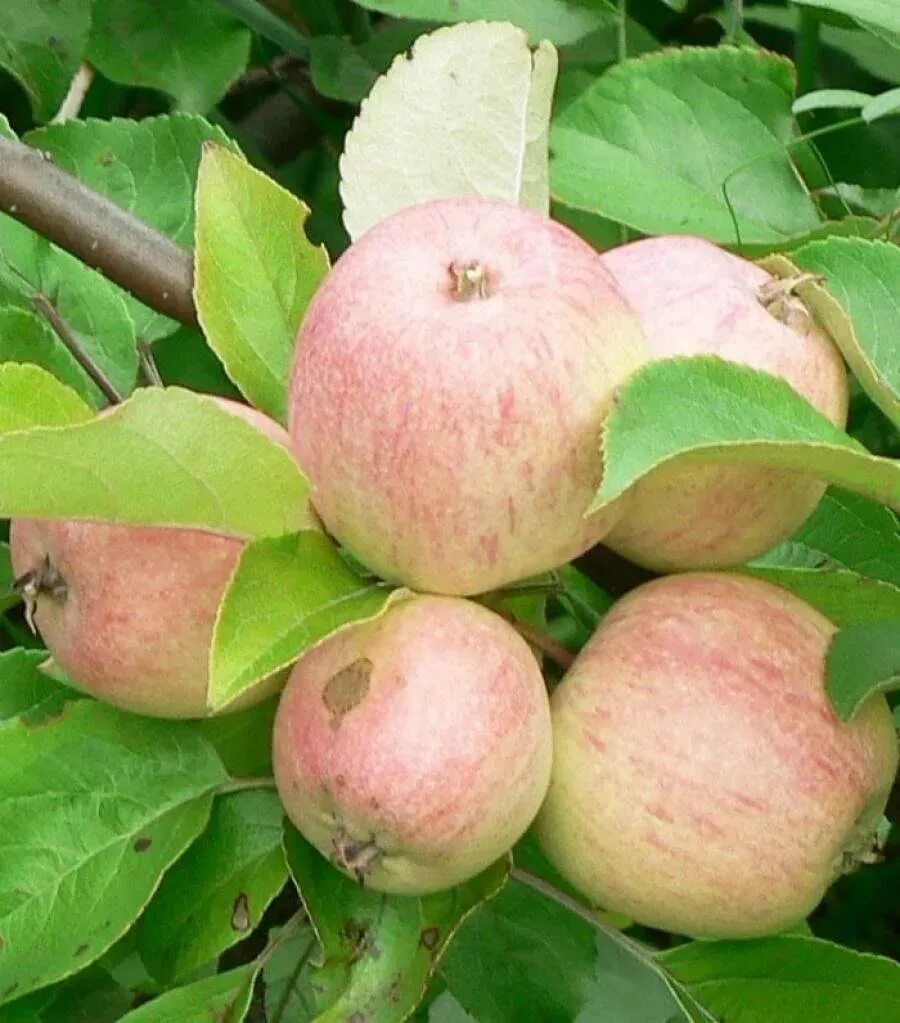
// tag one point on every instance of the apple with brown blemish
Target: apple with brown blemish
(128, 611)
(451, 381)
(414, 750)
(696, 299)
(701, 782)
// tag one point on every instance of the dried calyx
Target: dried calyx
(355, 857)
(778, 297)
(44, 580)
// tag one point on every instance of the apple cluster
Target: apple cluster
(451, 383)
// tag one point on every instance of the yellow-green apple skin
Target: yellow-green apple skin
(452, 378)
(132, 621)
(696, 299)
(701, 781)
(415, 749)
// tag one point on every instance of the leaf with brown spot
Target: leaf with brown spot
(219, 889)
(347, 689)
(380, 951)
(142, 844)
(155, 779)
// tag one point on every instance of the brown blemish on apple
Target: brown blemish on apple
(347, 689)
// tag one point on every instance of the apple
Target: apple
(451, 379)
(696, 299)
(126, 611)
(701, 782)
(413, 750)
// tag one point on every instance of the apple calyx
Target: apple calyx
(355, 857)
(44, 580)
(778, 297)
(863, 848)
(469, 280)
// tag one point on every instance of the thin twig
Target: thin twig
(555, 651)
(81, 355)
(58, 206)
(71, 105)
(148, 367)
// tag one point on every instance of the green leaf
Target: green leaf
(25, 689)
(30, 396)
(863, 660)
(475, 91)
(658, 142)
(164, 457)
(217, 892)
(192, 50)
(846, 598)
(559, 21)
(41, 44)
(806, 979)
(844, 560)
(256, 272)
(830, 99)
(27, 337)
(224, 998)
(727, 412)
(287, 593)
(874, 55)
(860, 308)
(886, 104)
(184, 359)
(380, 951)
(91, 996)
(8, 597)
(96, 805)
(148, 167)
(882, 17)
(243, 740)
(289, 991)
(846, 531)
(523, 956)
(583, 598)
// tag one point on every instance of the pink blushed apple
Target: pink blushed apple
(701, 781)
(451, 381)
(414, 750)
(128, 611)
(696, 299)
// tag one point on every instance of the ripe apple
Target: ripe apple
(701, 781)
(415, 749)
(696, 299)
(128, 611)
(451, 380)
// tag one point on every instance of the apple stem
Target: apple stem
(555, 651)
(470, 280)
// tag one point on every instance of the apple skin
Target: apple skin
(450, 427)
(696, 299)
(701, 781)
(135, 626)
(415, 749)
